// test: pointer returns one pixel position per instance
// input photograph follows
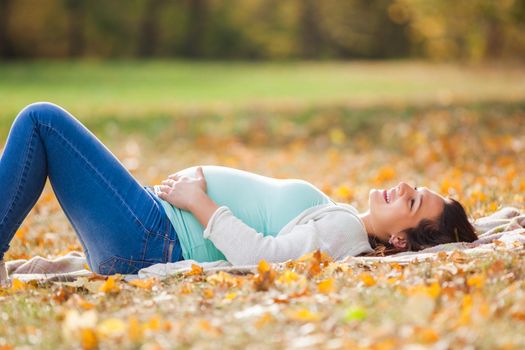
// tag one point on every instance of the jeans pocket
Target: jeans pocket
(117, 264)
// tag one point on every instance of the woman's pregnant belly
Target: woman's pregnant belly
(263, 203)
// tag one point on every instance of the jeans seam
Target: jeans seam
(99, 175)
(21, 180)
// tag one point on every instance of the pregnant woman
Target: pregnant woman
(202, 213)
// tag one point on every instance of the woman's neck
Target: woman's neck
(367, 222)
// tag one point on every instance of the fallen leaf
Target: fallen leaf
(367, 279)
(355, 313)
(112, 327)
(326, 286)
(303, 314)
(111, 285)
(144, 283)
(196, 270)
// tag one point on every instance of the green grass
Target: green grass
(143, 88)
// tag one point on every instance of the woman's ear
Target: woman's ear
(399, 240)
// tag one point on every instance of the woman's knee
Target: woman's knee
(43, 113)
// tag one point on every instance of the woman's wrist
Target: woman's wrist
(203, 208)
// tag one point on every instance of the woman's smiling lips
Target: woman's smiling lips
(388, 195)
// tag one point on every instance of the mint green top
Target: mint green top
(263, 203)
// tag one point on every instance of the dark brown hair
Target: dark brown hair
(451, 226)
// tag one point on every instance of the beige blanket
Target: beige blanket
(507, 226)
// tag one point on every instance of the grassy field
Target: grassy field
(345, 128)
(127, 88)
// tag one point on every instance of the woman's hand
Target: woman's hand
(182, 191)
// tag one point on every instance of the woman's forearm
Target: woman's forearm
(203, 208)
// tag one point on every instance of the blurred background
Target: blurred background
(377, 90)
(471, 30)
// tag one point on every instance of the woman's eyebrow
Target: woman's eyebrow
(420, 201)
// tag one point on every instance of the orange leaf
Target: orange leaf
(264, 320)
(207, 293)
(265, 278)
(18, 285)
(196, 270)
(110, 286)
(88, 339)
(135, 330)
(367, 279)
(326, 286)
(303, 315)
(144, 283)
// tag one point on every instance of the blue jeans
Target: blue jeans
(120, 224)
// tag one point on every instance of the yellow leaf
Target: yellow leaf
(367, 279)
(154, 323)
(384, 174)
(303, 315)
(135, 330)
(265, 278)
(326, 286)
(466, 310)
(337, 136)
(263, 320)
(186, 288)
(207, 293)
(434, 290)
(80, 326)
(111, 327)
(196, 270)
(88, 339)
(476, 281)
(288, 276)
(426, 335)
(18, 285)
(208, 327)
(263, 266)
(224, 279)
(230, 296)
(144, 283)
(345, 192)
(110, 286)
(21, 234)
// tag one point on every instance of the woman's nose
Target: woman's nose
(404, 187)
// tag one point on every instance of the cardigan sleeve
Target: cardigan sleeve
(243, 245)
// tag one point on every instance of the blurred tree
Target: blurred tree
(264, 29)
(76, 15)
(311, 36)
(149, 28)
(6, 45)
(362, 28)
(196, 27)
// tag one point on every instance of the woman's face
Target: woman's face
(396, 209)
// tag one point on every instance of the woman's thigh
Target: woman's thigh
(118, 220)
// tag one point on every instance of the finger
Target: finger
(174, 176)
(168, 182)
(200, 173)
(164, 188)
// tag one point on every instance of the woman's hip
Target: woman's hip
(130, 249)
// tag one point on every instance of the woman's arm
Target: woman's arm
(203, 208)
(189, 194)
